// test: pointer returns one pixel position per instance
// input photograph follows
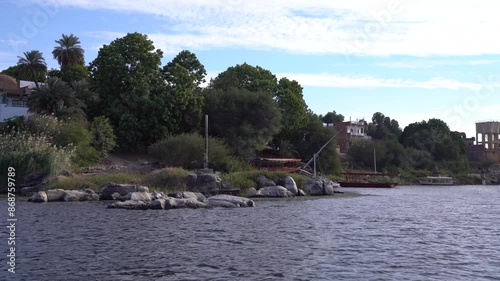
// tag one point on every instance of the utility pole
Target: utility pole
(205, 162)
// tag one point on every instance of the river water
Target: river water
(406, 233)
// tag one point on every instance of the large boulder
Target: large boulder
(138, 196)
(229, 201)
(205, 181)
(182, 203)
(189, 194)
(123, 189)
(319, 186)
(274, 191)
(28, 190)
(263, 181)
(252, 192)
(39, 197)
(158, 204)
(80, 195)
(291, 186)
(131, 205)
(55, 195)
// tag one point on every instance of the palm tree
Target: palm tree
(33, 64)
(69, 53)
(56, 97)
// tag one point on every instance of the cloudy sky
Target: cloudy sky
(409, 59)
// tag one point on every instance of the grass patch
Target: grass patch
(167, 179)
(94, 182)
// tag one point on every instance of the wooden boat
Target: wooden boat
(370, 180)
(289, 165)
(439, 180)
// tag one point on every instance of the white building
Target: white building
(14, 97)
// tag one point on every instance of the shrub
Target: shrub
(32, 153)
(103, 138)
(168, 179)
(187, 151)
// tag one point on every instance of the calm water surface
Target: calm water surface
(407, 233)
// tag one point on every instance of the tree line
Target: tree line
(127, 88)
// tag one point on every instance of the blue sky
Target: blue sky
(409, 59)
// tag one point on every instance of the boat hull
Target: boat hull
(368, 184)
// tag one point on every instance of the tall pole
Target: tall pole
(375, 159)
(205, 164)
(314, 157)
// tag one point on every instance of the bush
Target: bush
(32, 153)
(187, 151)
(168, 179)
(103, 138)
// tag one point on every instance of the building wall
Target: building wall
(9, 112)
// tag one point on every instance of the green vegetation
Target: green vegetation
(94, 182)
(28, 153)
(187, 151)
(126, 100)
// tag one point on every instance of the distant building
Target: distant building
(14, 97)
(348, 132)
(488, 137)
(467, 141)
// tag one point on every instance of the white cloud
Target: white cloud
(414, 64)
(378, 27)
(339, 81)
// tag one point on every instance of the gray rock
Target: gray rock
(291, 186)
(33, 179)
(116, 196)
(205, 182)
(263, 181)
(123, 189)
(39, 197)
(55, 195)
(319, 186)
(80, 195)
(131, 205)
(252, 192)
(156, 195)
(274, 191)
(175, 203)
(28, 190)
(301, 193)
(223, 200)
(158, 204)
(138, 196)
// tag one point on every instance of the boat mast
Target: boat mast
(319, 151)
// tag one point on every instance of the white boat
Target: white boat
(439, 180)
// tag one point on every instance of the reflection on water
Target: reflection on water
(407, 233)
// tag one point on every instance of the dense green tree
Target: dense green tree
(69, 53)
(183, 75)
(15, 71)
(127, 77)
(434, 137)
(246, 120)
(383, 127)
(56, 97)
(245, 76)
(309, 141)
(103, 137)
(33, 64)
(292, 105)
(332, 117)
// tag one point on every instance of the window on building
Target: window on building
(18, 103)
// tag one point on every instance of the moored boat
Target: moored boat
(437, 180)
(369, 180)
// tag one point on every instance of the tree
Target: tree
(246, 120)
(332, 117)
(434, 137)
(245, 76)
(56, 97)
(132, 92)
(311, 138)
(183, 75)
(69, 53)
(383, 127)
(33, 64)
(15, 71)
